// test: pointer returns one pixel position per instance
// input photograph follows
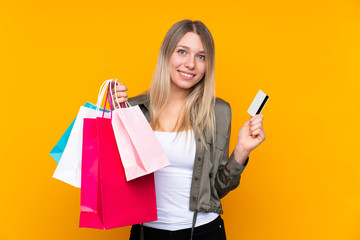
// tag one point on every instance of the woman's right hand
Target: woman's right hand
(119, 93)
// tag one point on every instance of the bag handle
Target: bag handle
(101, 93)
(112, 97)
(111, 105)
(122, 105)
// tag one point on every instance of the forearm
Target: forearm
(240, 154)
(228, 176)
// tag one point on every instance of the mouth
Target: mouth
(186, 75)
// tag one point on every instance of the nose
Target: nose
(190, 62)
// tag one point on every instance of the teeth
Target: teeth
(186, 75)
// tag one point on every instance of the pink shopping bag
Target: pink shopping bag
(107, 199)
(132, 163)
(91, 206)
(139, 148)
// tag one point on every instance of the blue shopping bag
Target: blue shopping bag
(58, 150)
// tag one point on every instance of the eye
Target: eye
(181, 51)
(202, 57)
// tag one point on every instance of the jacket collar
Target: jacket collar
(142, 99)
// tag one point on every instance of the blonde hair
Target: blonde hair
(198, 111)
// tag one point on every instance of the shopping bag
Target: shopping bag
(58, 150)
(130, 158)
(107, 199)
(140, 151)
(91, 207)
(139, 148)
(69, 167)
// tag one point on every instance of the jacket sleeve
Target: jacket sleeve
(229, 172)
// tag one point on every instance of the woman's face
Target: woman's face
(187, 63)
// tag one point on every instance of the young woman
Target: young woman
(193, 127)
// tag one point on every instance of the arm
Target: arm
(249, 137)
(229, 172)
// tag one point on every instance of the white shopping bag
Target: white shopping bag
(69, 167)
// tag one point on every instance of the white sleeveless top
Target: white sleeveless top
(173, 184)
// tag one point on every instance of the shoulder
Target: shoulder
(222, 108)
(222, 117)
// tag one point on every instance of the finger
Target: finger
(252, 128)
(121, 88)
(114, 83)
(120, 100)
(262, 135)
(247, 124)
(121, 94)
(256, 132)
(256, 121)
(257, 116)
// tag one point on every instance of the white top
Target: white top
(173, 184)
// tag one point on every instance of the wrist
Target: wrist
(241, 154)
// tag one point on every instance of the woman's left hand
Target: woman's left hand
(251, 134)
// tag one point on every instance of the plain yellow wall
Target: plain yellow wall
(303, 182)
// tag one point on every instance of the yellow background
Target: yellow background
(303, 182)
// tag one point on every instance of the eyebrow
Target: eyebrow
(202, 52)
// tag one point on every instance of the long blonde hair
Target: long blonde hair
(198, 111)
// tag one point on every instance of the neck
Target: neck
(171, 115)
(177, 96)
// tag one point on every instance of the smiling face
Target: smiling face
(187, 63)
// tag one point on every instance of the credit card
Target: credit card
(258, 104)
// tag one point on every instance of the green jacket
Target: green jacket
(214, 174)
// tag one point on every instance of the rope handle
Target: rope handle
(122, 105)
(111, 105)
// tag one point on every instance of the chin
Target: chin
(185, 86)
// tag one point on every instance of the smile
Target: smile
(188, 75)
